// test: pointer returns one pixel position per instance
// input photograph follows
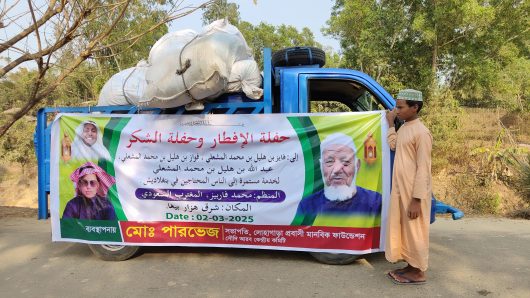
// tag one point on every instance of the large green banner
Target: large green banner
(315, 182)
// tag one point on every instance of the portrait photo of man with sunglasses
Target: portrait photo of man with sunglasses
(91, 185)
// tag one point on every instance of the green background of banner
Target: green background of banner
(75, 229)
(111, 128)
(311, 131)
(357, 127)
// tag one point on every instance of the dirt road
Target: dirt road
(473, 257)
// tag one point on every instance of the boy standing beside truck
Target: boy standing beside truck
(410, 204)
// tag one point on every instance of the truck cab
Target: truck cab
(306, 90)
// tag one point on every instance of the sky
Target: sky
(298, 13)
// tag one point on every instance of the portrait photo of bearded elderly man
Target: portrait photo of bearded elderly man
(341, 202)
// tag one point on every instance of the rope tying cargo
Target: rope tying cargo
(123, 88)
(182, 70)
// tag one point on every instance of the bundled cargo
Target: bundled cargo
(185, 68)
(245, 76)
(127, 87)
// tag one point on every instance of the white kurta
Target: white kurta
(408, 239)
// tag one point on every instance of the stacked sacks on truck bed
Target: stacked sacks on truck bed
(186, 68)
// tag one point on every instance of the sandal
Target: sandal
(405, 281)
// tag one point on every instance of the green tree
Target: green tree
(333, 59)
(265, 35)
(491, 69)
(85, 82)
(98, 31)
(17, 145)
(262, 35)
(221, 9)
(14, 87)
(370, 34)
(469, 47)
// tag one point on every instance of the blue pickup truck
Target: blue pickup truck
(293, 82)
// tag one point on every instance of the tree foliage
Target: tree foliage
(17, 145)
(221, 9)
(479, 50)
(69, 37)
(265, 35)
(262, 35)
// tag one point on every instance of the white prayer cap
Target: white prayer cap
(410, 94)
(337, 139)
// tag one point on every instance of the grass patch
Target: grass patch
(475, 195)
(3, 173)
(475, 156)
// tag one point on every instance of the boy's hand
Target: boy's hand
(414, 208)
(390, 117)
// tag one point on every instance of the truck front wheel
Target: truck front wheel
(109, 252)
(334, 259)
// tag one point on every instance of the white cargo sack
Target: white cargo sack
(168, 47)
(245, 76)
(185, 67)
(201, 70)
(127, 87)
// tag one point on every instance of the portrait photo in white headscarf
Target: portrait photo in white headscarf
(88, 142)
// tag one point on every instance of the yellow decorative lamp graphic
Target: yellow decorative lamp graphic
(66, 148)
(370, 150)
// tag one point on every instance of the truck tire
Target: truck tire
(109, 252)
(334, 259)
(299, 56)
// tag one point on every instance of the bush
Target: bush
(17, 145)
(3, 173)
(523, 179)
(475, 194)
(441, 114)
(523, 214)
